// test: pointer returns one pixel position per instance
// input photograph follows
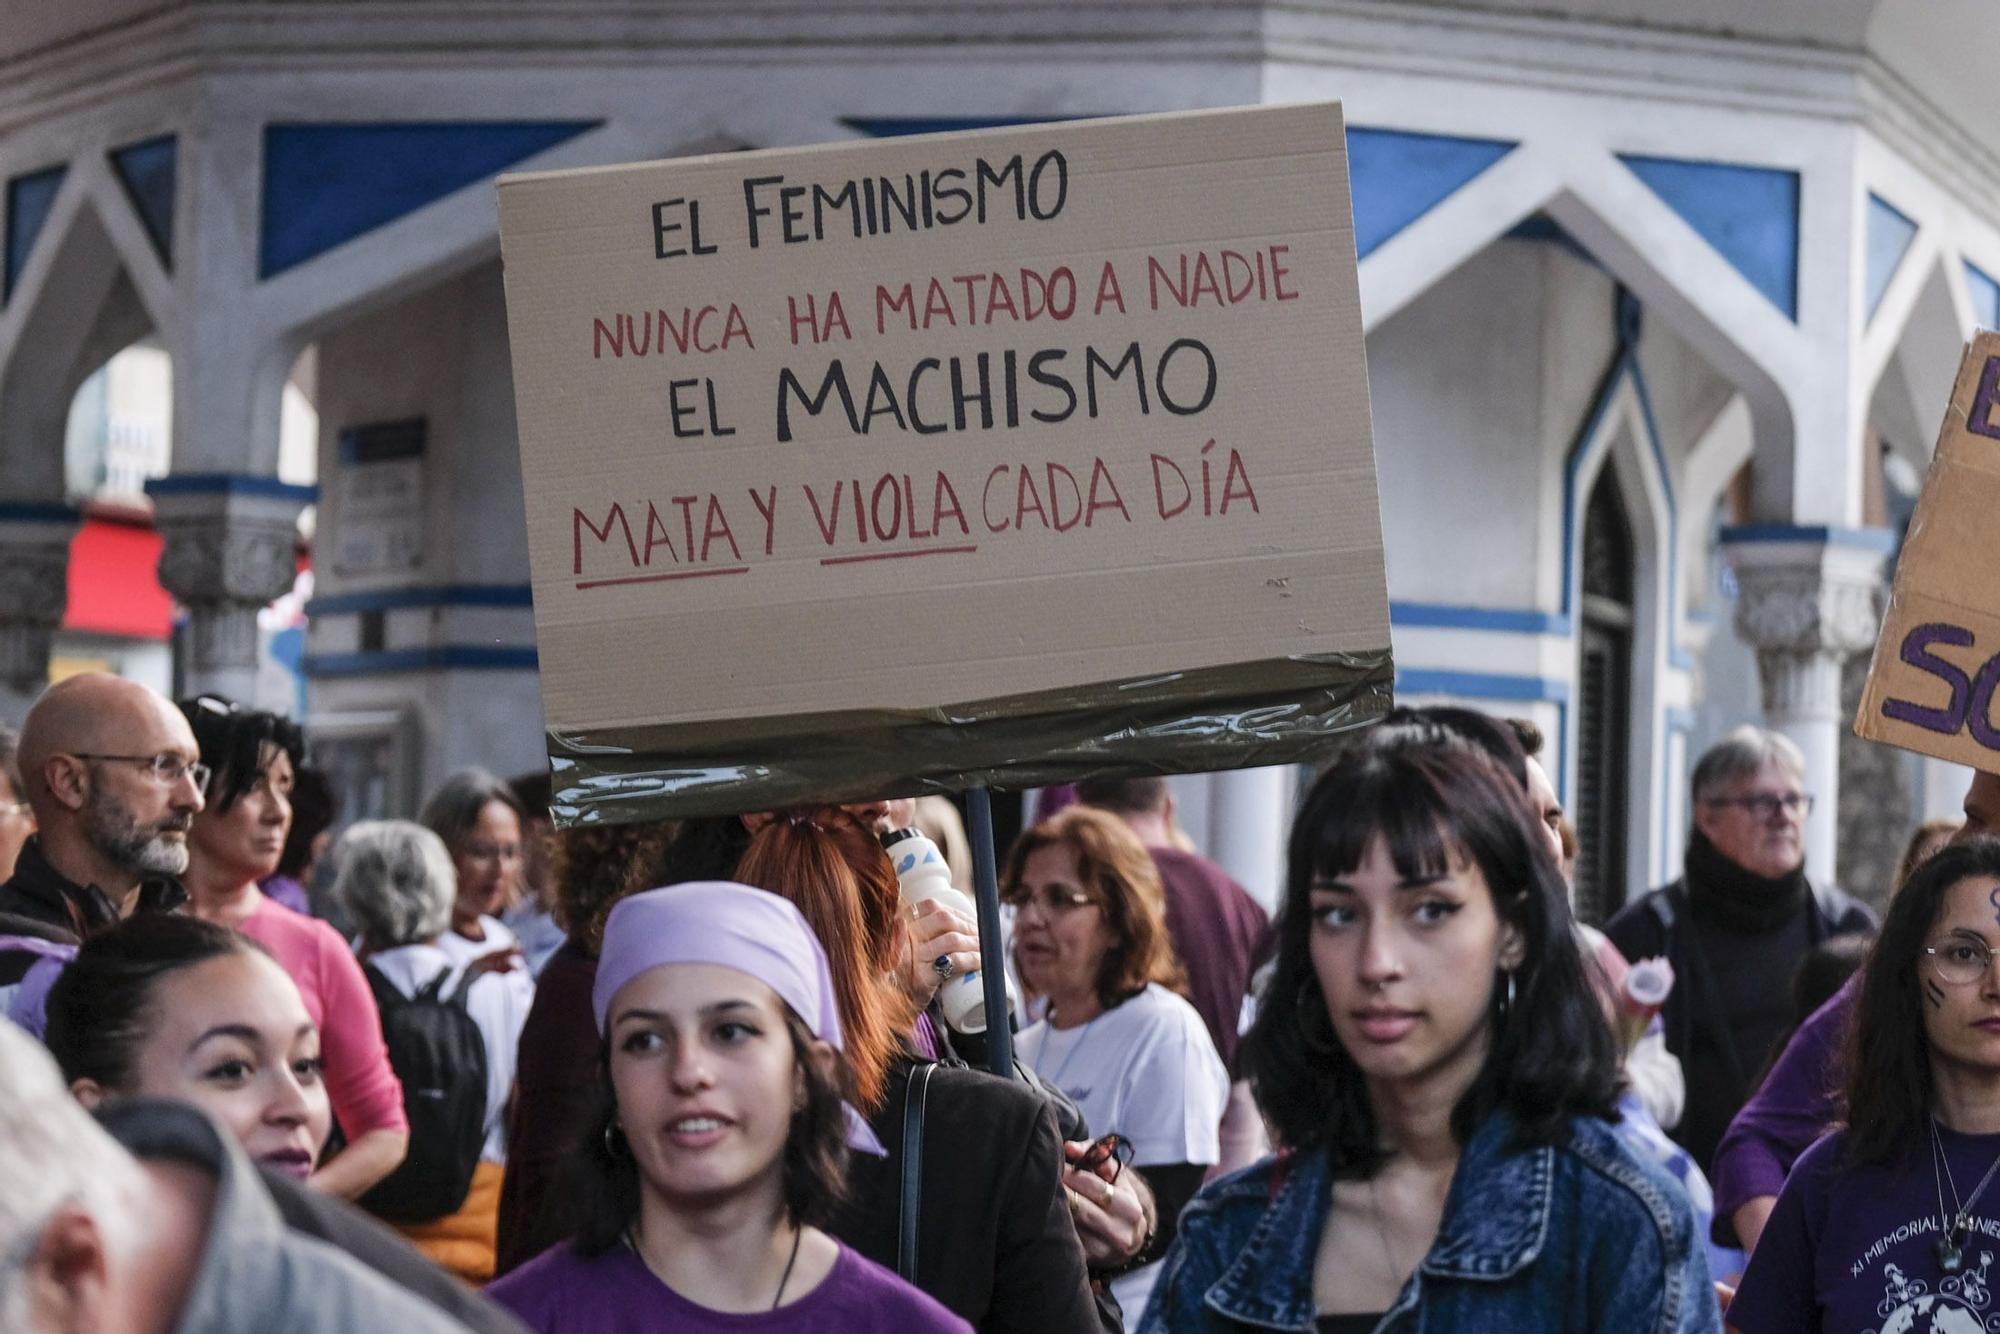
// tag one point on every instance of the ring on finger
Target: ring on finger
(944, 967)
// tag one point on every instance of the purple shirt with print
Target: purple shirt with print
(561, 1292)
(1853, 1247)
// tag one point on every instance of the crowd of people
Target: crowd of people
(468, 1072)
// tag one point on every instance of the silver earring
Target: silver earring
(1507, 998)
(613, 1141)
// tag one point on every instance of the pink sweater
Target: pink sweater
(365, 1092)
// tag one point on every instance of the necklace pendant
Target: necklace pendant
(1949, 1257)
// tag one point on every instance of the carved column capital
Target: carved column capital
(34, 593)
(1806, 607)
(227, 550)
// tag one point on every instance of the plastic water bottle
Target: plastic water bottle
(923, 876)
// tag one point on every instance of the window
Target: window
(1604, 702)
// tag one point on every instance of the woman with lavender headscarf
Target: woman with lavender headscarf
(721, 1139)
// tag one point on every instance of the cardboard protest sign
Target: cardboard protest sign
(1005, 457)
(1930, 688)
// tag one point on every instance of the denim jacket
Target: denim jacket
(1581, 1236)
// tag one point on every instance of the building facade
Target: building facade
(1663, 303)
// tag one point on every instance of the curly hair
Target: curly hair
(1551, 1059)
(594, 866)
(1113, 864)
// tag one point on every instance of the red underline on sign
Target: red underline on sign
(896, 555)
(661, 578)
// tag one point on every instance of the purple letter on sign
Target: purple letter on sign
(1916, 652)
(1980, 418)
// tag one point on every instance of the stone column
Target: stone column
(231, 546)
(34, 590)
(1249, 816)
(1809, 599)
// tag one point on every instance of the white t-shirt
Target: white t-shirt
(1147, 1070)
(498, 1003)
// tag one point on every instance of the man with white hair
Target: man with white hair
(180, 1238)
(1735, 925)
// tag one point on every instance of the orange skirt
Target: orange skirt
(465, 1242)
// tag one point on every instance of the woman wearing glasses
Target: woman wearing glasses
(1436, 1068)
(1893, 1221)
(1090, 935)
(236, 841)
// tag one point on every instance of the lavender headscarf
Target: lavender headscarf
(733, 926)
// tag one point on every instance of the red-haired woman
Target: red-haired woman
(1090, 934)
(995, 1242)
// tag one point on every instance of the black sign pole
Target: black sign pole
(992, 963)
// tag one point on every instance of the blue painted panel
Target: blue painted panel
(1542, 227)
(1444, 616)
(146, 171)
(327, 184)
(229, 483)
(1871, 539)
(439, 595)
(29, 199)
(444, 657)
(38, 511)
(1889, 237)
(1396, 177)
(1749, 214)
(1985, 294)
(895, 127)
(1480, 685)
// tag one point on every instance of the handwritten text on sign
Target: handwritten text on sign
(1062, 362)
(1937, 664)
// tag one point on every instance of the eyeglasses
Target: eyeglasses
(1052, 901)
(166, 768)
(1962, 961)
(1765, 805)
(1114, 1149)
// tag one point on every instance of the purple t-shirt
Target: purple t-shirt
(1792, 1108)
(1851, 1248)
(561, 1292)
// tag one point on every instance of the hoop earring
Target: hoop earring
(1507, 997)
(614, 1142)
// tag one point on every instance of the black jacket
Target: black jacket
(1722, 1068)
(995, 1240)
(40, 892)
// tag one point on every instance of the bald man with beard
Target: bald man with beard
(112, 774)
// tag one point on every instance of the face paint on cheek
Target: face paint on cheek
(1934, 992)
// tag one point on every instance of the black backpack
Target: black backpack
(436, 1049)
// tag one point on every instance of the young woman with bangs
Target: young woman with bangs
(1436, 1068)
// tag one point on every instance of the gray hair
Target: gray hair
(454, 808)
(395, 880)
(1741, 754)
(52, 1154)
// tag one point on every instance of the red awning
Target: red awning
(114, 585)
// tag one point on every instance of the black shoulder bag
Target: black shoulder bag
(914, 1094)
